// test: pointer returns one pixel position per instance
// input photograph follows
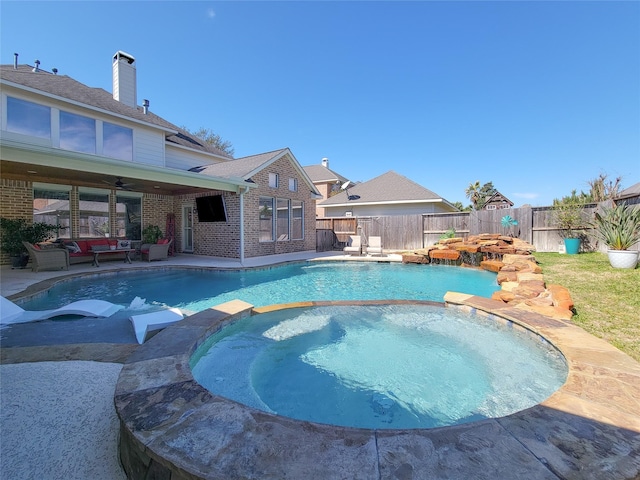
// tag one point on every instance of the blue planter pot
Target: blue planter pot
(572, 245)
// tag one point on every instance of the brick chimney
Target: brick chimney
(124, 79)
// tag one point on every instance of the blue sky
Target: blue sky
(537, 97)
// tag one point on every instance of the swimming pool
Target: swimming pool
(194, 290)
(379, 366)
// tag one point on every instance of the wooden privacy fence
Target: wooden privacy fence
(407, 232)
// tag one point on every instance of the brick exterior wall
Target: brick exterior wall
(285, 170)
(222, 239)
(16, 201)
(155, 209)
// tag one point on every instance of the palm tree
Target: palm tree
(473, 193)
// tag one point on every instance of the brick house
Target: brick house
(326, 181)
(96, 163)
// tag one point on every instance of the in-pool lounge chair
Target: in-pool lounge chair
(354, 245)
(142, 324)
(375, 246)
(11, 313)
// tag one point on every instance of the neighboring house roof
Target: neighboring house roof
(632, 191)
(322, 174)
(244, 168)
(65, 87)
(498, 197)
(387, 188)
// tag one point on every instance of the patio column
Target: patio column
(242, 192)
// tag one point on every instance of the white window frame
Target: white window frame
(273, 180)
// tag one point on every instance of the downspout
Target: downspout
(242, 192)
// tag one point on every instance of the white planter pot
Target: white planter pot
(623, 258)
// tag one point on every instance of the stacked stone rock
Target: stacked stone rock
(520, 277)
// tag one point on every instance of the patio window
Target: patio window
(51, 205)
(266, 219)
(297, 220)
(117, 141)
(129, 215)
(282, 227)
(77, 133)
(28, 118)
(93, 213)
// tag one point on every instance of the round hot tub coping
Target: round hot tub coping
(171, 425)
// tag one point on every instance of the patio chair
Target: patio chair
(156, 251)
(47, 259)
(375, 246)
(354, 245)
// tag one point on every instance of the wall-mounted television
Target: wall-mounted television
(211, 209)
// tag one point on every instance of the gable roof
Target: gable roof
(244, 168)
(322, 174)
(632, 191)
(387, 188)
(497, 197)
(65, 87)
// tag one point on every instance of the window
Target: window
(273, 180)
(51, 205)
(282, 225)
(266, 219)
(293, 184)
(491, 207)
(93, 213)
(297, 220)
(77, 133)
(117, 141)
(28, 118)
(129, 215)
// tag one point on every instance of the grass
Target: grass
(607, 300)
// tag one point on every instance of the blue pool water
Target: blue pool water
(383, 367)
(196, 290)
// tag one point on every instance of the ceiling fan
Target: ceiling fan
(119, 184)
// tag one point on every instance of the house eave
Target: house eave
(14, 151)
(395, 202)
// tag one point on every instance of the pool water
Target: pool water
(196, 290)
(379, 367)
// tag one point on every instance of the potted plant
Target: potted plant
(570, 219)
(619, 228)
(17, 230)
(151, 234)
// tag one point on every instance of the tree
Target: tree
(479, 195)
(461, 207)
(473, 193)
(602, 190)
(214, 139)
(486, 192)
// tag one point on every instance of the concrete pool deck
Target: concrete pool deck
(588, 429)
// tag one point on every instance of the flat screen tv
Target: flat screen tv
(211, 209)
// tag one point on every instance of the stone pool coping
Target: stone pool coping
(171, 427)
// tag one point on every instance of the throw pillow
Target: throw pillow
(124, 244)
(72, 247)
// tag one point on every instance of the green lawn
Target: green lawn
(607, 300)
